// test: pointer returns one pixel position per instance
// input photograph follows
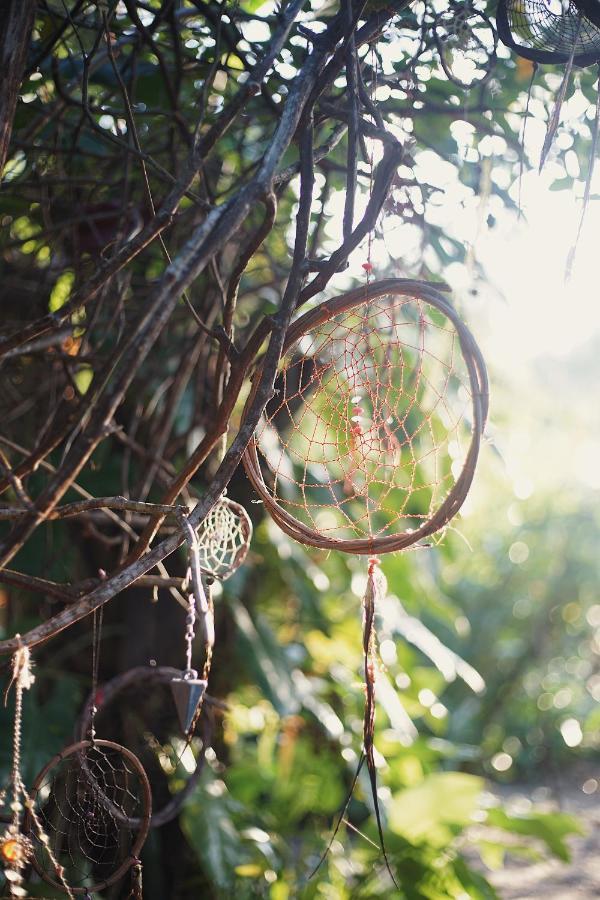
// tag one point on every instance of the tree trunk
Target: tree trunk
(16, 17)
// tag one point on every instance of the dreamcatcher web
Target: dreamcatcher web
(85, 798)
(224, 539)
(371, 427)
(549, 30)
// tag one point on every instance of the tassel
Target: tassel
(136, 881)
(554, 118)
(375, 591)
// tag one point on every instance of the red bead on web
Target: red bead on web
(371, 440)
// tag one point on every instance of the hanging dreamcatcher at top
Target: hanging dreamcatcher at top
(551, 31)
(371, 440)
(560, 32)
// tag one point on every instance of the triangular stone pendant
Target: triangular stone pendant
(188, 694)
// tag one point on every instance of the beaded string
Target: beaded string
(17, 849)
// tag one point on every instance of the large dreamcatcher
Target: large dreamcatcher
(371, 440)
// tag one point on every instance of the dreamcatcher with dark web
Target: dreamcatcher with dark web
(556, 32)
(85, 799)
(88, 811)
(370, 443)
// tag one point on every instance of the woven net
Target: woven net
(466, 41)
(371, 439)
(546, 31)
(224, 539)
(84, 799)
(137, 706)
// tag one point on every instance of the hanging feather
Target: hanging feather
(554, 119)
(375, 591)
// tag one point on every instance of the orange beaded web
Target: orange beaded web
(370, 441)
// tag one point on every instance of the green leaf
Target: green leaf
(441, 804)
(209, 828)
(266, 659)
(62, 290)
(551, 828)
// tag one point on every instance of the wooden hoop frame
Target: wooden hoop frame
(397, 287)
(142, 832)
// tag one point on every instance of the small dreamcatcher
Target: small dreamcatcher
(224, 539)
(559, 32)
(81, 809)
(84, 800)
(550, 31)
(466, 42)
(371, 440)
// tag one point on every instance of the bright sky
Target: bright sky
(540, 312)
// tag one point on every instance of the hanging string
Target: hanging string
(97, 620)
(588, 183)
(16, 849)
(534, 70)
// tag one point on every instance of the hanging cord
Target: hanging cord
(97, 620)
(45, 840)
(201, 606)
(522, 138)
(374, 592)
(588, 183)
(374, 587)
(16, 848)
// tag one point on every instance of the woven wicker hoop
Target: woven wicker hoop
(144, 822)
(479, 397)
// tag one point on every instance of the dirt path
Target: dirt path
(552, 879)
